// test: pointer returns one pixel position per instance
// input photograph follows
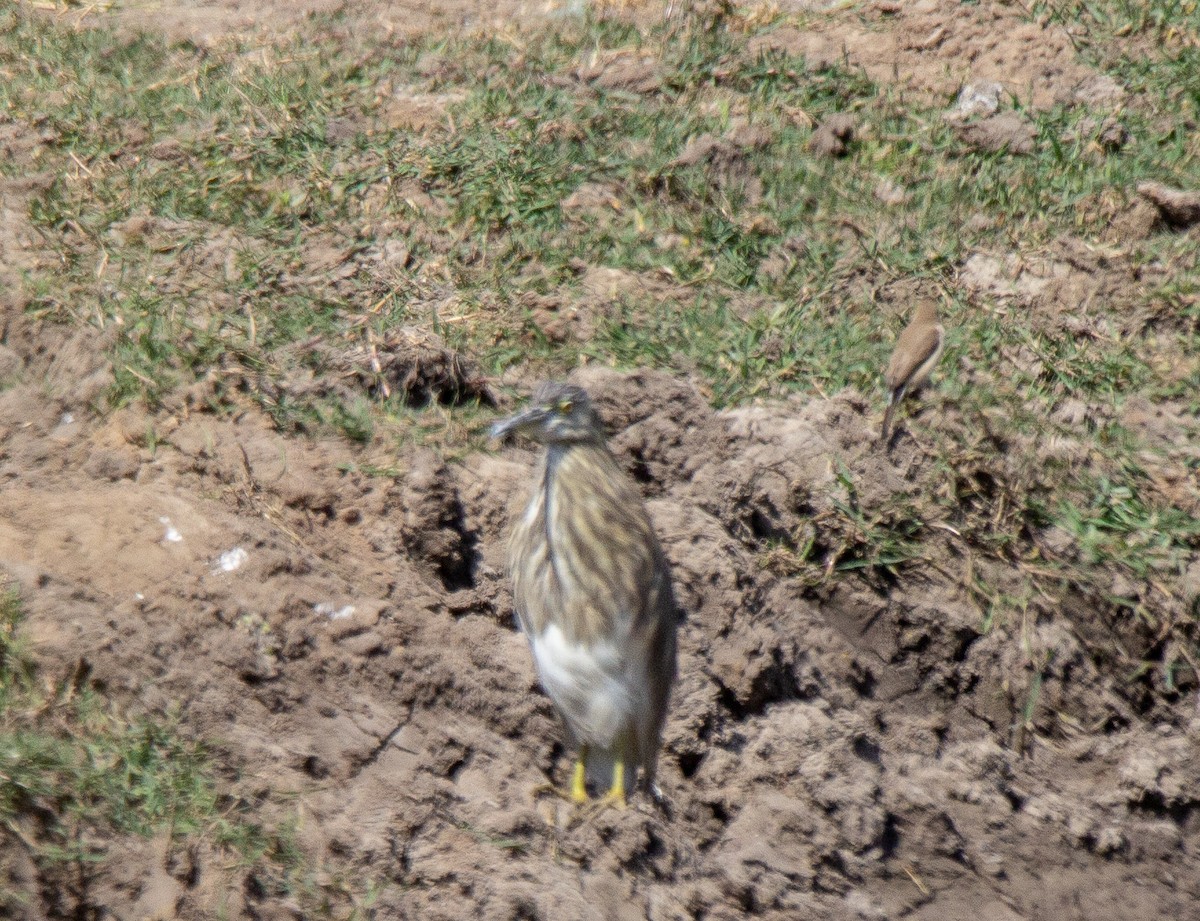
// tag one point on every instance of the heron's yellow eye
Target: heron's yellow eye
(565, 406)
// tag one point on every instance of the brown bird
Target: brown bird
(917, 352)
(592, 590)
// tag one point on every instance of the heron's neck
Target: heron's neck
(561, 484)
(554, 455)
(559, 451)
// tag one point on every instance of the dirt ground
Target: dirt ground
(345, 642)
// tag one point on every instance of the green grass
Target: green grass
(272, 161)
(1118, 524)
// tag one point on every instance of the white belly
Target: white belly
(589, 684)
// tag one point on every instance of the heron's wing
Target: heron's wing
(528, 566)
(611, 568)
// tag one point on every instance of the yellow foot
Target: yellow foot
(548, 788)
(614, 798)
(609, 800)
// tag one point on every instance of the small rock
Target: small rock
(1123, 587)
(863, 907)
(231, 560)
(992, 864)
(891, 193)
(1190, 584)
(1109, 841)
(394, 254)
(1079, 827)
(976, 99)
(1058, 541)
(1072, 412)
(333, 611)
(171, 533)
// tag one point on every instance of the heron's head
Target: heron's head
(557, 413)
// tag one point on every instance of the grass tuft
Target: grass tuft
(75, 770)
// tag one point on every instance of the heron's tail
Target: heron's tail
(600, 762)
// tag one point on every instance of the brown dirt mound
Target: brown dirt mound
(848, 752)
(412, 363)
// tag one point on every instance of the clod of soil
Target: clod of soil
(1178, 208)
(624, 72)
(833, 136)
(1007, 131)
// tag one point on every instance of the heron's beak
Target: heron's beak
(523, 422)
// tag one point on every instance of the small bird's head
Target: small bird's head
(557, 413)
(926, 312)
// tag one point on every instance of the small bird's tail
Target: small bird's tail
(893, 401)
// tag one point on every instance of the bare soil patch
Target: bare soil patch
(853, 752)
(935, 47)
(208, 23)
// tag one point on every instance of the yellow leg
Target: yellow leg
(579, 780)
(577, 791)
(617, 792)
